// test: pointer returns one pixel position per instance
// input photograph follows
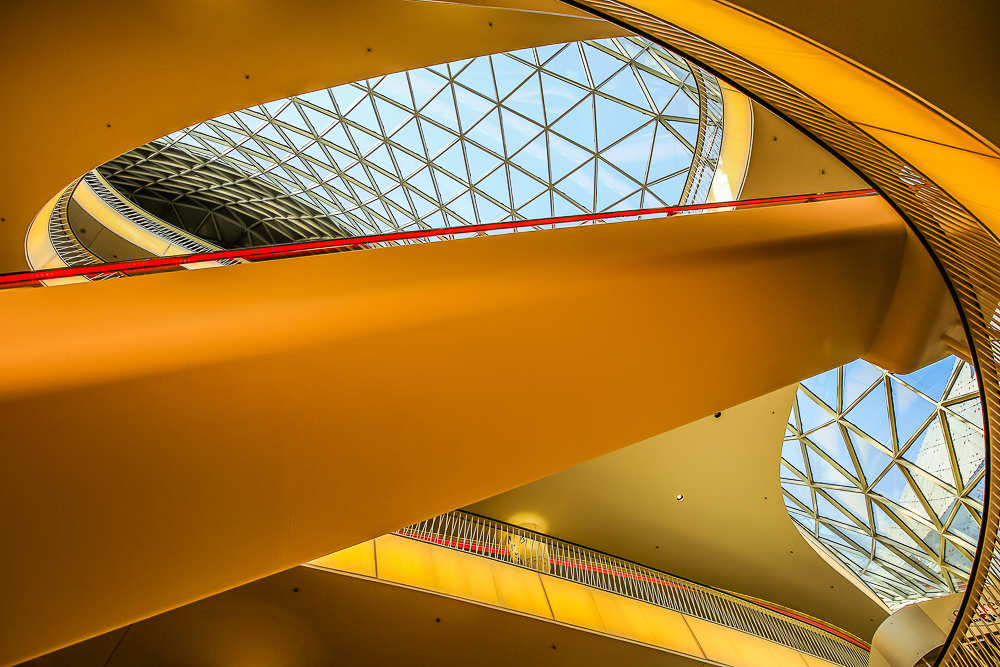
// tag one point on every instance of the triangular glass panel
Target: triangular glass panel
(630, 203)
(669, 191)
(833, 540)
(457, 66)
(910, 410)
(956, 558)
(602, 65)
(858, 377)
(448, 186)
(884, 525)
(612, 186)
(979, 491)
(827, 510)
(471, 107)
(480, 162)
(564, 156)
(788, 474)
(524, 187)
(631, 154)
(614, 121)
(453, 161)
(930, 452)
(363, 140)
(434, 220)
(518, 131)
(562, 206)
(579, 185)
(871, 415)
(527, 55)
(509, 73)
(363, 114)
(392, 117)
(941, 500)
(811, 413)
(425, 85)
(661, 90)
(533, 158)
(688, 131)
(408, 137)
(894, 486)
(461, 211)
(488, 211)
(291, 116)
(831, 440)
(872, 459)
(682, 106)
(487, 133)
(398, 196)
(380, 157)
(823, 472)
(406, 162)
(970, 410)
(569, 65)
(970, 448)
(560, 96)
(546, 52)
(578, 125)
(965, 524)
(319, 121)
(824, 387)
(862, 540)
(270, 132)
(801, 493)
(479, 77)
(624, 86)
(669, 155)
(966, 383)
(791, 452)
(854, 501)
(442, 110)
(495, 185)
(527, 100)
(540, 207)
(396, 88)
(435, 138)
(932, 380)
(273, 108)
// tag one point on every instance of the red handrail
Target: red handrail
(312, 247)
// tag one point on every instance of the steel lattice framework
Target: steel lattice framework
(887, 472)
(583, 127)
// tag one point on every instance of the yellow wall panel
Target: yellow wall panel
(464, 575)
(573, 603)
(520, 590)
(622, 616)
(670, 630)
(757, 652)
(359, 559)
(405, 561)
(716, 642)
(813, 661)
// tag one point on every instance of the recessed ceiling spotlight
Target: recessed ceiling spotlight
(680, 497)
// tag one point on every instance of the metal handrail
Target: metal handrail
(67, 246)
(160, 228)
(31, 278)
(535, 551)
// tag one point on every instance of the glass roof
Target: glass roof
(887, 472)
(584, 127)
